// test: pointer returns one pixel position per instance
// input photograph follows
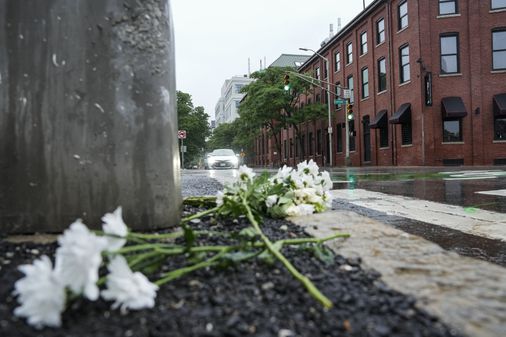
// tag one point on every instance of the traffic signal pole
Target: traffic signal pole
(347, 161)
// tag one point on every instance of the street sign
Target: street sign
(181, 134)
(346, 93)
(339, 101)
(183, 148)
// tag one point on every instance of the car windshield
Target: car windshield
(223, 152)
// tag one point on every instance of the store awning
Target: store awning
(403, 115)
(453, 107)
(500, 105)
(380, 120)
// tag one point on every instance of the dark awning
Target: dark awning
(403, 115)
(453, 107)
(380, 120)
(500, 105)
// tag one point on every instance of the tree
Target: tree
(268, 105)
(194, 121)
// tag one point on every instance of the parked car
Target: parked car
(222, 158)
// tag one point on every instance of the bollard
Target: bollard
(88, 117)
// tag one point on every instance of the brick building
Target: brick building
(429, 87)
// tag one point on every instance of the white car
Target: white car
(222, 158)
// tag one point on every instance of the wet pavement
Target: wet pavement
(450, 239)
(458, 187)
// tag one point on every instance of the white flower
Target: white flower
(115, 226)
(128, 289)
(298, 210)
(41, 295)
(246, 173)
(283, 173)
(309, 167)
(78, 259)
(325, 180)
(271, 200)
(219, 198)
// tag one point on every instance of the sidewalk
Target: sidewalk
(465, 293)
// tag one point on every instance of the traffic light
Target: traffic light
(349, 111)
(287, 82)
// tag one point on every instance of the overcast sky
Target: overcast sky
(214, 38)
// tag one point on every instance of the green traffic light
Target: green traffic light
(287, 87)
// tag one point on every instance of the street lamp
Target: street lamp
(328, 100)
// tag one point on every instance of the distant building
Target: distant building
(427, 80)
(290, 60)
(227, 107)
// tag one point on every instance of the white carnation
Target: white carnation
(245, 173)
(116, 228)
(299, 210)
(130, 290)
(219, 198)
(271, 200)
(41, 294)
(308, 167)
(78, 259)
(325, 180)
(283, 173)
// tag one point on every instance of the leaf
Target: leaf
(267, 257)
(248, 233)
(320, 251)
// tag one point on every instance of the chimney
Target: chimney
(261, 64)
(338, 24)
(331, 32)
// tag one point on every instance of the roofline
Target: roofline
(345, 30)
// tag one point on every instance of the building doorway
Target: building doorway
(367, 139)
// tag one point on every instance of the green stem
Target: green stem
(185, 270)
(314, 240)
(302, 278)
(198, 215)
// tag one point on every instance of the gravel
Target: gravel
(250, 299)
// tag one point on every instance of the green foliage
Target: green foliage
(194, 121)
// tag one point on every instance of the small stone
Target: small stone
(209, 327)
(195, 221)
(346, 267)
(35, 251)
(285, 333)
(195, 283)
(405, 235)
(129, 333)
(284, 228)
(9, 254)
(6, 262)
(267, 286)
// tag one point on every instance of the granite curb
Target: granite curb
(465, 293)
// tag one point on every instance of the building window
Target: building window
(452, 130)
(351, 129)
(339, 138)
(350, 87)
(365, 83)
(498, 4)
(363, 43)
(449, 53)
(405, 75)
(402, 14)
(286, 149)
(499, 49)
(380, 31)
(237, 103)
(291, 147)
(318, 141)
(447, 7)
(349, 53)
(317, 99)
(310, 143)
(337, 61)
(383, 136)
(407, 138)
(309, 101)
(303, 145)
(317, 73)
(325, 71)
(297, 154)
(382, 74)
(500, 127)
(338, 94)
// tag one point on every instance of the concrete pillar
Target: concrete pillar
(88, 116)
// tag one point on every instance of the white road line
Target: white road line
(501, 193)
(483, 223)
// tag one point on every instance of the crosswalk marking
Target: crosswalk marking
(501, 193)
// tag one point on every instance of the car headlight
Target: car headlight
(235, 160)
